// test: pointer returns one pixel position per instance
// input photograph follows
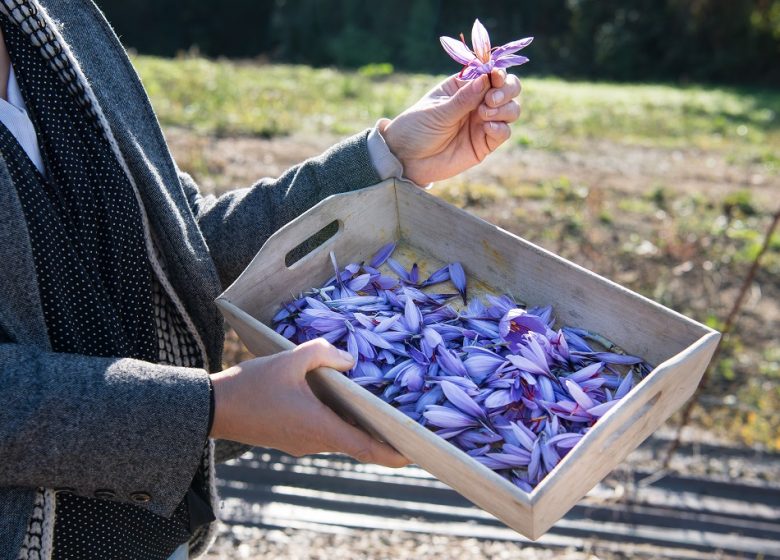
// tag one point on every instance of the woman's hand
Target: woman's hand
(267, 402)
(454, 127)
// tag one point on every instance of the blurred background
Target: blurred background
(648, 151)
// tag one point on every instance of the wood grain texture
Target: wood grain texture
(367, 220)
(435, 230)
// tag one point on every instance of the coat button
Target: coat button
(64, 490)
(105, 494)
(140, 497)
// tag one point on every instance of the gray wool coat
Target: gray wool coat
(89, 424)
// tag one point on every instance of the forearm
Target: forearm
(237, 224)
(90, 424)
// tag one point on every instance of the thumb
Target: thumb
(467, 98)
(320, 353)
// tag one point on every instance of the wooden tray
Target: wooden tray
(436, 231)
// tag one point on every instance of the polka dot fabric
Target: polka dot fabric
(85, 226)
(96, 285)
(103, 529)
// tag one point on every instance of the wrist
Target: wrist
(387, 132)
(222, 424)
(395, 145)
(385, 163)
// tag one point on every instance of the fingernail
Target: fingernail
(491, 112)
(498, 96)
(476, 85)
(346, 355)
(494, 125)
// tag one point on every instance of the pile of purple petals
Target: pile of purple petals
(493, 378)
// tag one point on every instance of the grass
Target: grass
(685, 248)
(222, 97)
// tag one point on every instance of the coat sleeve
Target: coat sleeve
(118, 427)
(236, 224)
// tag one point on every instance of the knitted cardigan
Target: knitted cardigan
(141, 426)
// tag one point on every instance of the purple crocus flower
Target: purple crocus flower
(481, 58)
(495, 378)
(516, 323)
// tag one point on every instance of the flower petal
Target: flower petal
(510, 460)
(526, 365)
(450, 362)
(457, 50)
(396, 267)
(625, 386)
(600, 410)
(432, 337)
(579, 395)
(470, 74)
(586, 372)
(412, 315)
(512, 47)
(441, 275)
(382, 255)
(460, 399)
(498, 399)
(480, 41)
(517, 322)
(375, 339)
(445, 417)
(509, 60)
(613, 358)
(458, 278)
(565, 441)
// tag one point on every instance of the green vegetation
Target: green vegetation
(226, 98)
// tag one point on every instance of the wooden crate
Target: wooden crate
(436, 231)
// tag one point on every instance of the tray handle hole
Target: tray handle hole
(312, 243)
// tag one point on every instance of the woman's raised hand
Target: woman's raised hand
(454, 126)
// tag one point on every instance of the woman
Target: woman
(111, 262)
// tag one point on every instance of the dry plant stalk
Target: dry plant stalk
(727, 326)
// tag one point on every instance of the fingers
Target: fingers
(500, 94)
(496, 133)
(320, 353)
(500, 108)
(497, 77)
(348, 439)
(507, 113)
(467, 98)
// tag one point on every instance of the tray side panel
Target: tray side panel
(537, 277)
(619, 432)
(367, 220)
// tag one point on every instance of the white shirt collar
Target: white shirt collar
(14, 93)
(13, 114)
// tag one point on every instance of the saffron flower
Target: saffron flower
(493, 378)
(481, 58)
